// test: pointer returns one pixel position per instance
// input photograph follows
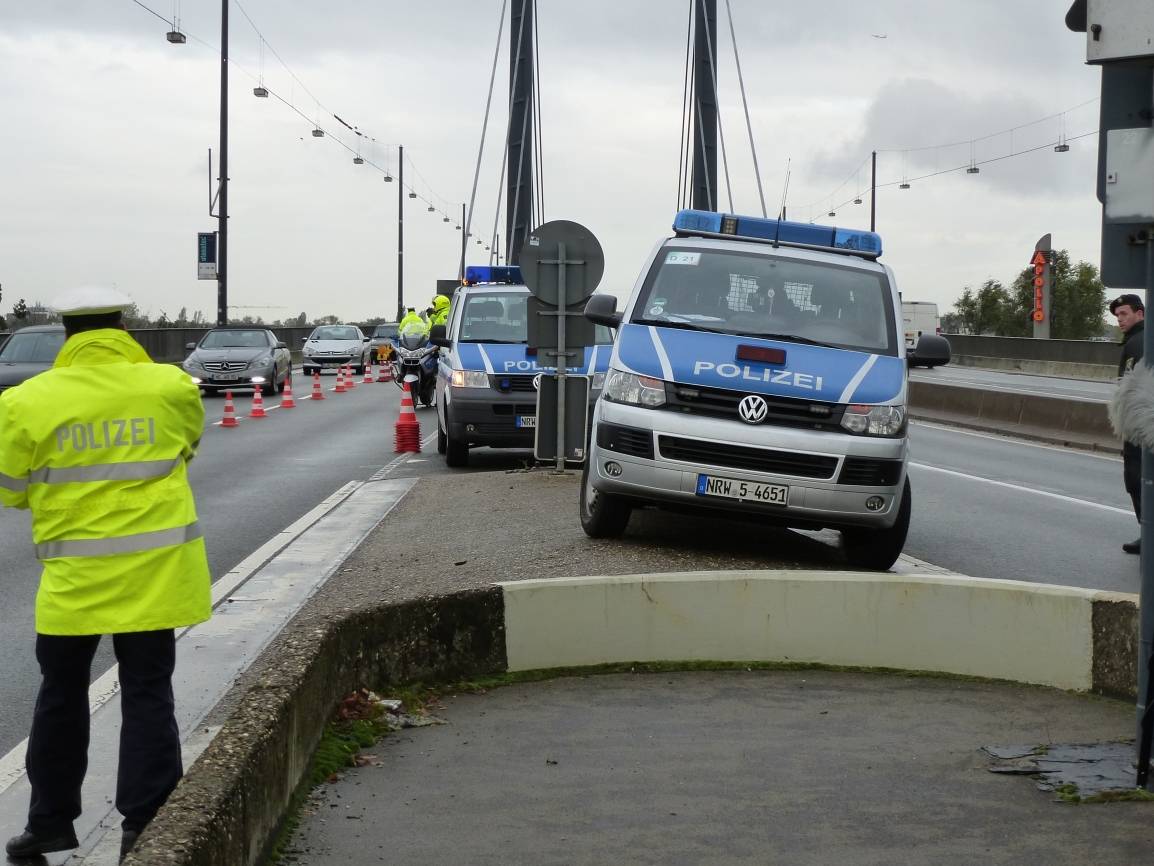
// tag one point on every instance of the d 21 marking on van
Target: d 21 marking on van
(805, 381)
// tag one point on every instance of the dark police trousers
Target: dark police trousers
(1132, 474)
(150, 764)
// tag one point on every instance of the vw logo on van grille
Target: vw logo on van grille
(537, 382)
(752, 409)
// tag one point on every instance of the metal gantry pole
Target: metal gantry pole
(464, 242)
(400, 232)
(222, 231)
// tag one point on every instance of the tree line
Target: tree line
(24, 314)
(1077, 305)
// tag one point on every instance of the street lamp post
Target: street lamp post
(400, 232)
(222, 231)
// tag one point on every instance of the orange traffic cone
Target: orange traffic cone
(408, 428)
(368, 380)
(257, 404)
(350, 379)
(229, 419)
(340, 389)
(318, 392)
(286, 400)
(384, 371)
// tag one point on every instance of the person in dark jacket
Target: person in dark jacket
(1131, 316)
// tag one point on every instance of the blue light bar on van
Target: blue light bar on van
(858, 242)
(510, 274)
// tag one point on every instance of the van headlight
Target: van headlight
(634, 390)
(469, 378)
(874, 420)
(598, 382)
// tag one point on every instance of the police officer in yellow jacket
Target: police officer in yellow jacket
(440, 314)
(96, 448)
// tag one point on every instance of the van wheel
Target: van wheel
(456, 450)
(603, 515)
(879, 549)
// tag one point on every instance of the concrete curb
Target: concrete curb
(1060, 369)
(230, 806)
(1057, 420)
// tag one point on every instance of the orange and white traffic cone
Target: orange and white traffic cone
(350, 379)
(384, 371)
(229, 419)
(368, 380)
(318, 392)
(286, 400)
(257, 404)
(340, 389)
(408, 428)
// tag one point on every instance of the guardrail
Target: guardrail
(1081, 359)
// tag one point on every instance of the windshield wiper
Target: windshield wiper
(685, 326)
(504, 342)
(794, 338)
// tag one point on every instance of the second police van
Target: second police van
(759, 369)
(487, 374)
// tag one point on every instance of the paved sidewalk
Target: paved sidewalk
(795, 768)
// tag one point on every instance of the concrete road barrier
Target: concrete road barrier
(229, 807)
(1062, 420)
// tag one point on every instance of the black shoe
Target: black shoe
(29, 844)
(127, 841)
(1134, 546)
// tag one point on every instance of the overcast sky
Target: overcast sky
(106, 128)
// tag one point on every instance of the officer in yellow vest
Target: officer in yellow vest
(440, 314)
(96, 448)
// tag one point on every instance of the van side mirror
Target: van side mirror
(931, 351)
(280, 344)
(602, 310)
(437, 336)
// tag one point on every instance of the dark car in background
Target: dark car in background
(27, 352)
(239, 358)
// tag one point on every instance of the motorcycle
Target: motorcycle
(414, 355)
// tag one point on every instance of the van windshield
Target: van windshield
(502, 317)
(759, 295)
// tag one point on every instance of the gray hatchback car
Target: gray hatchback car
(239, 358)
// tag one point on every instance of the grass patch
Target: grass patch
(337, 751)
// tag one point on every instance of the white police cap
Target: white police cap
(91, 301)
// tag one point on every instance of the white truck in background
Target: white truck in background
(920, 318)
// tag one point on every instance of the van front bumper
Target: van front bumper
(630, 457)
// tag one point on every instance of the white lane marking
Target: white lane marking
(1011, 440)
(666, 368)
(485, 359)
(857, 378)
(108, 685)
(1045, 493)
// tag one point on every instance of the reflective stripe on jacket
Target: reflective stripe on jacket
(96, 448)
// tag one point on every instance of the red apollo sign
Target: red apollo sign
(1039, 261)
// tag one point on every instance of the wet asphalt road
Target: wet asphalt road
(250, 483)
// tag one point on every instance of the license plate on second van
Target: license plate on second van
(732, 488)
(527, 421)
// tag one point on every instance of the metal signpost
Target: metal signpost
(561, 263)
(1120, 37)
(206, 255)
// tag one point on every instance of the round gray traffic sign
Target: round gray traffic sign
(584, 261)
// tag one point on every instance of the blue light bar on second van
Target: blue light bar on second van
(509, 274)
(855, 241)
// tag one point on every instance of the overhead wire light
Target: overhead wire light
(431, 209)
(412, 194)
(973, 169)
(1061, 146)
(175, 37)
(318, 133)
(358, 160)
(388, 177)
(903, 185)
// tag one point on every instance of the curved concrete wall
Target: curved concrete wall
(999, 629)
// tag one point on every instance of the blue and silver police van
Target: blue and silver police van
(487, 376)
(759, 369)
